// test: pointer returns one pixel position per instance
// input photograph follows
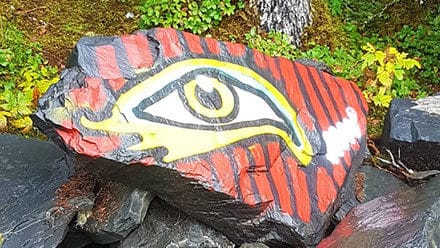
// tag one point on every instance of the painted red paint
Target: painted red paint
(321, 117)
(302, 198)
(294, 92)
(93, 146)
(324, 94)
(325, 189)
(334, 89)
(169, 41)
(273, 67)
(193, 43)
(225, 173)
(138, 51)
(107, 62)
(198, 169)
(117, 83)
(339, 174)
(260, 173)
(242, 161)
(213, 46)
(147, 161)
(92, 96)
(260, 60)
(279, 177)
(235, 49)
(347, 158)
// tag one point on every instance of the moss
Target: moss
(58, 24)
(325, 29)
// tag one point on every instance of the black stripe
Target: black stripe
(214, 177)
(323, 104)
(305, 94)
(289, 180)
(234, 167)
(331, 96)
(122, 59)
(269, 177)
(250, 173)
(359, 97)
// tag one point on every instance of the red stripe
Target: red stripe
(260, 173)
(241, 159)
(225, 173)
(302, 198)
(93, 146)
(193, 43)
(235, 49)
(259, 59)
(107, 63)
(347, 158)
(339, 174)
(138, 51)
(199, 170)
(213, 45)
(325, 189)
(279, 177)
(117, 83)
(273, 67)
(294, 92)
(169, 41)
(324, 95)
(92, 96)
(321, 117)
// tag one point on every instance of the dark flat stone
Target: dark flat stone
(410, 218)
(30, 172)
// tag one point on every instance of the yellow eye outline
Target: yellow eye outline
(175, 139)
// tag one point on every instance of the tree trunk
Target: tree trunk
(287, 16)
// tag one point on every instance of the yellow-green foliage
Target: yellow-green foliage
(24, 77)
(389, 67)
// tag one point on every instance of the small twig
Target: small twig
(25, 12)
(380, 13)
(416, 175)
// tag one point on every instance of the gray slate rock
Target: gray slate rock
(128, 209)
(412, 121)
(410, 218)
(379, 183)
(30, 172)
(165, 226)
(413, 127)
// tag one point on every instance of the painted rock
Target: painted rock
(259, 148)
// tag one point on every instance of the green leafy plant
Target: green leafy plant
(273, 43)
(422, 42)
(24, 76)
(194, 15)
(389, 68)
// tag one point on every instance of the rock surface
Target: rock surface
(123, 212)
(165, 226)
(413, 128)
(410, 218)
(30, 173)
(412, 121)
(259, 148)
(377, 182)
(287, 16)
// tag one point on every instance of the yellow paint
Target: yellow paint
(184, 142)
(225, 94)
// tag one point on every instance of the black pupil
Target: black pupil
(210, 100)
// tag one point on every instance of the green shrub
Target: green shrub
(194, 15)
(273, 43)
(423, 42)
(24, 77)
